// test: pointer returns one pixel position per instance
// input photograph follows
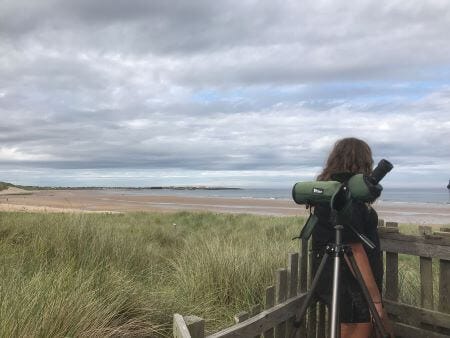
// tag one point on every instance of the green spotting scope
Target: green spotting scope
(359, 187)
(340, 193)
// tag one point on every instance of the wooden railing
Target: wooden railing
(276, 318)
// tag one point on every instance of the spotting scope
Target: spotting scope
(345, 187)
(340, 194)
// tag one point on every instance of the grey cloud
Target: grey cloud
(208, 85)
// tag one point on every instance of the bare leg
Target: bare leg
(356, 330)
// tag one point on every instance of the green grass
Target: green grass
(91, 275)
(67, 275)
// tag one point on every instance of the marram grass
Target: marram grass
(119, 275)
(100, 275)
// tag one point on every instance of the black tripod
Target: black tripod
(339, 251)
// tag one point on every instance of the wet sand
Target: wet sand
(117, 201)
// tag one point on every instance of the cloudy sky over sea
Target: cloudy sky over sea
(235, 93)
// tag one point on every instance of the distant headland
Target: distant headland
(6, 185)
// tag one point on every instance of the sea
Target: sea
(408, 195)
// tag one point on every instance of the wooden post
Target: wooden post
(270, 302)
(304, 266)
(253, 312)
(180, 329)
(303, 280)
(293, 286)
(293, 274)
(392, 270)
(426, 275)
(321, 322)
(240, 317)
(196, 326)
(281, 295)
(444, 285)
(312, 311)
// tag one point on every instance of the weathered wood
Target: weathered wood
(293, 260)
(304, 266)
(426, 283)
(270, 302)
(253, 312)
(180, 329)
(442, 234)
(407, 331)
(426, 274)
(293, 274)
(416, 315)
(445, 229)
(380, 222)
(281, 296)
(196, 326)
(263, 321)
(303, 281)
(444, 285)
(321, 321)
(391, 270)
(425, 230)
(392, 225)
(424, 246)
(241, 316)
(312, 311)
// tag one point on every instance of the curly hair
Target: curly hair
(348, 155)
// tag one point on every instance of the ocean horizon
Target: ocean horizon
(408, 195)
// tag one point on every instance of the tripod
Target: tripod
(339, 251)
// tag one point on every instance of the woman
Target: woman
(351, 155)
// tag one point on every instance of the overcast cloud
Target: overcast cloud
(248, 93)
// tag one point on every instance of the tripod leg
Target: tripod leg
(310, 294)
(373, 310)
(335, 325)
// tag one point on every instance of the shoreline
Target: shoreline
(117, 201)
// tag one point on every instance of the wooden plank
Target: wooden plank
(303, 282)
(321, 322)
(416, 315)
(196, 326)
(426, 283)
(392, 225)
(270, 302)
(293, 260)
(304, 266)
(253, 312)
(442, 234)
(293, 274)
(312, 311)
(444, 285)
(180, 329)
(391, 270)
(281, 288)
(240, 317)
(407, 331)
(263, 321)
(424, 246)
(445, 229)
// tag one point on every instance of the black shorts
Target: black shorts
(353, 306)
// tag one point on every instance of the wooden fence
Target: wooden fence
(275, 318)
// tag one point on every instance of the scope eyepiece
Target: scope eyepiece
(383, 167)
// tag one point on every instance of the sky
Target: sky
(220, 93)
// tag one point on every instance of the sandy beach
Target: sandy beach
(118, 201)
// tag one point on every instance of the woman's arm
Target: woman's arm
(366, 271)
